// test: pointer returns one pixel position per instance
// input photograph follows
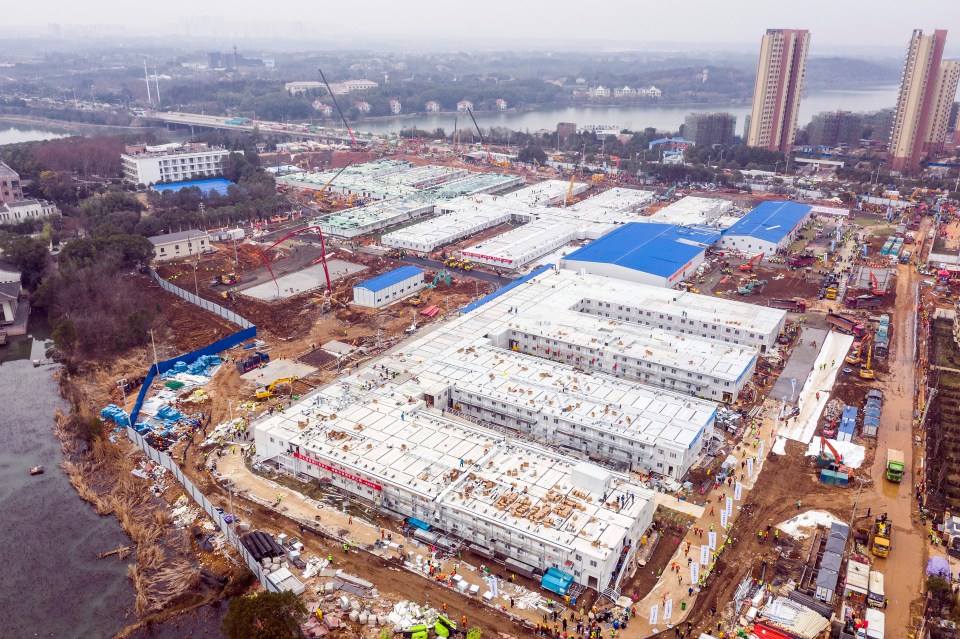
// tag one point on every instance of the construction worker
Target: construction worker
(330, 559)
(444, 607)
(463, 620)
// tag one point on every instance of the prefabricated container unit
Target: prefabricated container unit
(389, 287)
(876, 596)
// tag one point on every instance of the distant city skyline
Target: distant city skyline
(834, 26)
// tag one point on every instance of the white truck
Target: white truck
(874, 628)
(875, 596)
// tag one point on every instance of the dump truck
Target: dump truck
(863, 301)
(895, 465)
(882, 528)
(225, 279)
(793, 304)
(801, 261)
(846, 325)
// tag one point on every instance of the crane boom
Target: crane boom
(336, 104)
(323, 254)
(487, 146)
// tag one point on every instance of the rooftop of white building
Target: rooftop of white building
(660, 347)
(531, 489)
(691, 210)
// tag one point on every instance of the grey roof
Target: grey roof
(827, 579)
(176, 237)
(836, 528)
(9, 290)
(831, 561)
(835, 544)
(7, 172)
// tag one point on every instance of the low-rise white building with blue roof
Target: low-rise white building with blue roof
(768, 228)
(388, 288)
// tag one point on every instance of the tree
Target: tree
(30, 255)
(265, 615)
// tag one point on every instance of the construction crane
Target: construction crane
(336, 104)
(866, 372)
(748, 267)
(319, 194)
(323, 255)
(487, 146)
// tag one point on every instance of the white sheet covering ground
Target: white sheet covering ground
(803, 524)
(835, 348)
(853, 454)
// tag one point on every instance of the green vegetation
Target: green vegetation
(265, 615)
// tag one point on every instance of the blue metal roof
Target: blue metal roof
(220, 185)
(771, 221)
(390, 278)
(659, 249)
(509, 287)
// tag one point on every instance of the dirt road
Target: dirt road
(908, 554)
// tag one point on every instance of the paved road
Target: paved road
(483, 276)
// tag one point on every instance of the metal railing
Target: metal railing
(203, 303)
(167, 462)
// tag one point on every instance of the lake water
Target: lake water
(53, 586)
(634, 117)
(12, 133)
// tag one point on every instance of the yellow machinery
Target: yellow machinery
(415, 301)
(596, 178)
(857, 356)
(569, 199)
(466, 265)
(867, 372)
(267, 392)
(881, 537)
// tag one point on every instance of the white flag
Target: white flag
(653, 614)
(704, 555)
(694, 572)
(760, 450)
(712, 539)
(667, 609)
(729, 507)
(738, 491)
(723, 519)
(750, 467)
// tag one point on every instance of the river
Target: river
(12, 133)
(634, 117)
(53, 586)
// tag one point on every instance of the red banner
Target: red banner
(337, 471)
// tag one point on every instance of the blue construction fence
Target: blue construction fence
(162, 367)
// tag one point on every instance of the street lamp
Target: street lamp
(122, 383)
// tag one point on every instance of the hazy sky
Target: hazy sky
(835, 24)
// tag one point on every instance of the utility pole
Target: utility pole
(146, 77)
(156, 365)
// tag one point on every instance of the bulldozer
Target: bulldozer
(266, 392)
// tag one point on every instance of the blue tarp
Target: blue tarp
(418, 523)
(556, 581)
(115, 413)
(938, 566)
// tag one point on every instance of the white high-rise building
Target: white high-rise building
(171, 163)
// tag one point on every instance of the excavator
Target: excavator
(267, 391)
(748, 289)
(442, 276)
(857, 356)
(824, 460)
(569, 199)
(748, 267)
(417, 300)
(866, 371)
(876, 290)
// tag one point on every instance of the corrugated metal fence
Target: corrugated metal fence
(167, 462)
(201, 302)
(248, 331)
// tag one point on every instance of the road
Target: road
(274, 128)
(904, 568)
(483, 276)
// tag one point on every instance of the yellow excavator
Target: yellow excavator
(866, 372)
(265, 392)
(856, 356)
